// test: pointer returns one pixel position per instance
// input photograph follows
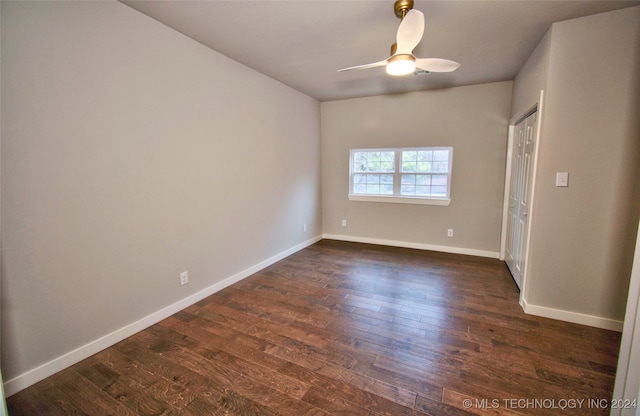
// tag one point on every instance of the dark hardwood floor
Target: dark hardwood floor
(347, 329)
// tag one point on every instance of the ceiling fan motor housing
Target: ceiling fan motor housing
(401, 7)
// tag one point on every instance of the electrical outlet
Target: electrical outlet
(304, 228)
(184, 278)
(450, 232)
(344, 223)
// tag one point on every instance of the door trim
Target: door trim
(507, 187)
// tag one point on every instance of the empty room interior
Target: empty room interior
(200, 214)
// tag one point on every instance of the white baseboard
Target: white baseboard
(573, 317)
(60, 363)
(419, 246)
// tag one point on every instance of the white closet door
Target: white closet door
(520, 195)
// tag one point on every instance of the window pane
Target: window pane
(441, 155)
(423, 180)
(360, 188)
(423, 190)
(408, 185)
(373, 178)
(409, 156)
(360, 162)
(373, 162)
(373, 166)
(387, 156)
(423, 166)
(408, 190)
(409, 163)
(425, 155)
(409, 166)
(440, 166)
(439, 180)
(373, 184)
(440, 191)
(408, 180)
(359, 183)
(373, 189)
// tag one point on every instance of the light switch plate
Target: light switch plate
(562, 179)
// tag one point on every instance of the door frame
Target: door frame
(538, 107)
(627, 382)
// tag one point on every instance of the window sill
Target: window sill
(400, 199)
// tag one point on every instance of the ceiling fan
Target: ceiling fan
(402, 61)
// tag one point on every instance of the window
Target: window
(419, 175)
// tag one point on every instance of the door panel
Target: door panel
(514, 198)
(520, 195)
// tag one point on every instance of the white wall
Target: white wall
(472, 119)
(583, 236)
(131, 153)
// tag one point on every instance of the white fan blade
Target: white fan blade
(437, 65)
(366, 66)
(410, 32)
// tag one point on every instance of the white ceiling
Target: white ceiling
(302, 43)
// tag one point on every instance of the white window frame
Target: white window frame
(397, 174)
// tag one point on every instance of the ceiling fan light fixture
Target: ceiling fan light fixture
(410, 32)
(401, 65)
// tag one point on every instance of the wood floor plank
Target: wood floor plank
(212, 402)
(47, 398)
(333, 404)
(88, 398)
(344, 329)
(273, 379)
(351, 392)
